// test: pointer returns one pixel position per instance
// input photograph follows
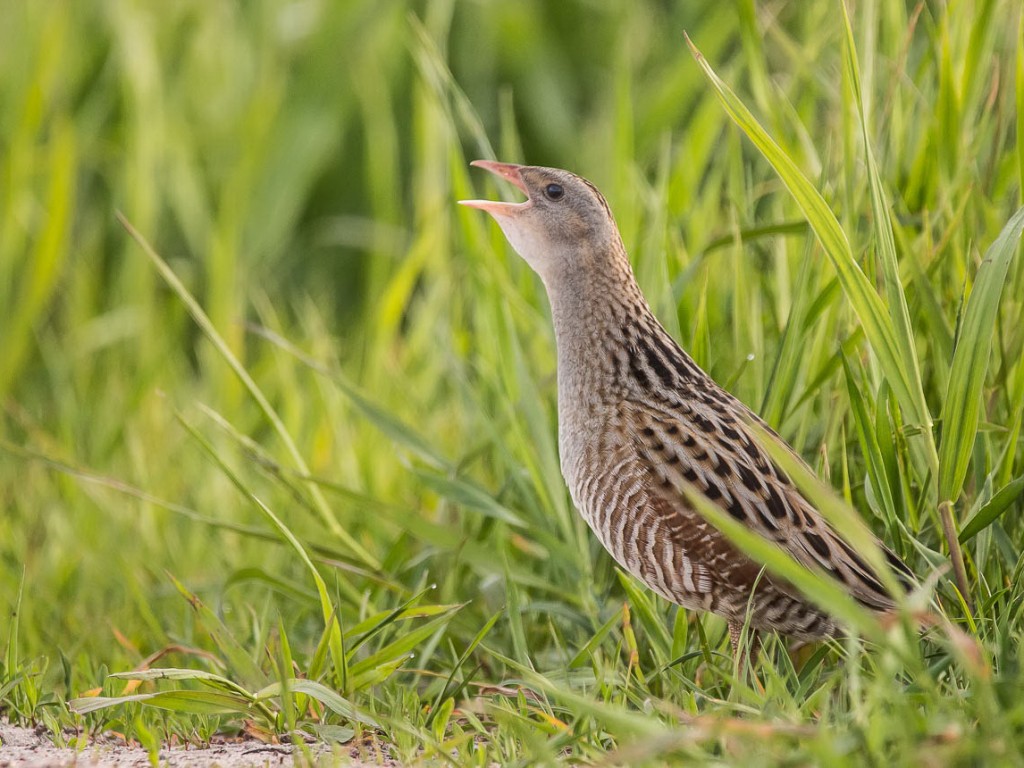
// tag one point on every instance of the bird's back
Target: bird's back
(659, 424)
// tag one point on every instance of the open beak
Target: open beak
(509, 172)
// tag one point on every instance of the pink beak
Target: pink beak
(509, 172)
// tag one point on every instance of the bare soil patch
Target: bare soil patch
(33, 748)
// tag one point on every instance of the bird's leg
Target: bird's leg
(753, 644)
(746, 660)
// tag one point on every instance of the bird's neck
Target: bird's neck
(594, 311)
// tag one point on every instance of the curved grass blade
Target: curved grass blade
(294, 592)
(389, 424)
(469, 495)
(876, 321)
(177, 673)
(203, 321)
(992, 511)
(961, 410)
(333, 700)
(326, 606)
(446, 691)
(819, 588)
(842, 517)
(398, 651)
(885, 244)
(238, 658)
(191, 702)
(592, 644)
(370, 627)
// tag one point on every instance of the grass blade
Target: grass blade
(876, 321)
(819, 588)
(326, 606)
(237, 657)
(885, 244)
(961, 410)
(207, 327)
(869, 447)
(192, 702)
(330, 699)
(996, 506)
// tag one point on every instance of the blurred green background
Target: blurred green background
(296, 164)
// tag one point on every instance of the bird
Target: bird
(639, 422)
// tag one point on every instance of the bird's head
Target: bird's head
(563, 227)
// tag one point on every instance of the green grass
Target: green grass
(287, 439)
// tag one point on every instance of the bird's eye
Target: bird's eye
(553, 191)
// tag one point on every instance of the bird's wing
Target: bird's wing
(715, 452)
